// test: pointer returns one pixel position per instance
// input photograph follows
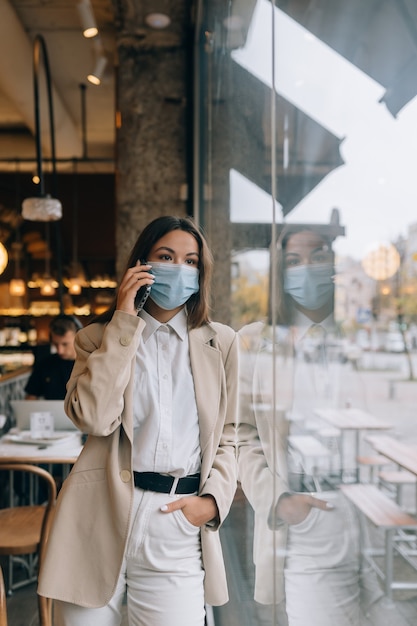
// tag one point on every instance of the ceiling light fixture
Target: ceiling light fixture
(17, 285)
(37, 281)
(4, 258)
(158, 21)
(76, 279)
(95, 77)
(75, 285)
(42, 208)
(103, 282)
(49, 286)
(88, 22)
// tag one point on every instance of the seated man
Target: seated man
(50, 376)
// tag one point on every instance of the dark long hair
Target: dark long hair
(284, 305)
(198, 305)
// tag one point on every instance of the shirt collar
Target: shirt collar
(304, 323)
(178, 324)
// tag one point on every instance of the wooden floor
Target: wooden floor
(22, 608)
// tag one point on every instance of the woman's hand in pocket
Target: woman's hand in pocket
(294, 508)
(197, 509)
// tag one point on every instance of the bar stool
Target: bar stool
(374, 462)
(395, 480)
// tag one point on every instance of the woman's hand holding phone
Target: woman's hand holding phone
(133, 286)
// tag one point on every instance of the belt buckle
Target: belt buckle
(174, 486)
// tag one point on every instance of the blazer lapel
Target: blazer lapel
(206, 367)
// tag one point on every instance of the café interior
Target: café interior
(258, 119)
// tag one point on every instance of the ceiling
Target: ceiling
(384, 46)
(84, 120)
(71, 58)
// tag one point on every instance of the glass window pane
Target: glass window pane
(306, 189)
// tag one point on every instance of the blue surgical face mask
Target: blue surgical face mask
(311, 286)
(174, 284)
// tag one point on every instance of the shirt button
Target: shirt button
(124, 340)
(125, 475)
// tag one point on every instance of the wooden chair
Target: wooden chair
(24, 531)
(3, 607)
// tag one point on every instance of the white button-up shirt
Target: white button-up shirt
(166, 430)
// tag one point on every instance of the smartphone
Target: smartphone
(142, 295)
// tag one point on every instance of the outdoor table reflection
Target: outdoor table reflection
(399, 452)
(355, 420)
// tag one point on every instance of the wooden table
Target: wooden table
(356, 421)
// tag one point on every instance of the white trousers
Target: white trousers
(162, 573)
(322, 568)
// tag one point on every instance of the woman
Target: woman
(156, 392)
(311, 564)
(305, 272)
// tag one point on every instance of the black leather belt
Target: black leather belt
(152, 481)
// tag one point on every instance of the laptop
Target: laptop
(23, 408)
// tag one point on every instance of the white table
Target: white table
(64, 453)
(356, 421)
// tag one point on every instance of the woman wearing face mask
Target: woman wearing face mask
(305, 532)
(155, 391)
(306, 267)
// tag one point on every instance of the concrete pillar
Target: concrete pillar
(153, 117)
(232, 138)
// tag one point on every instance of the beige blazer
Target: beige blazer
(87, 541)
(262, 451)
(262, 444)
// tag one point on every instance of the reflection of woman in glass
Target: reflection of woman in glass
(306, 268)
(314, 549)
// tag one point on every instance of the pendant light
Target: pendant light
(42, 208)
(17, 286)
